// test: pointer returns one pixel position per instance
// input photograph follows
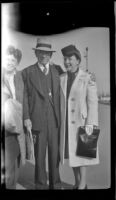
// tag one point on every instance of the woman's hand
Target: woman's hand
(89, 129)
(28, 124)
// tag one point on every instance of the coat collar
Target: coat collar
(55, 79)
(79, 77)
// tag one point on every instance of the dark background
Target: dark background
(63, 16)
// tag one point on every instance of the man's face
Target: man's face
(10, 63)
(43, 56)
(71, 63)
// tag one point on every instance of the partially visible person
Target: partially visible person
(12, 118)
(79, 107)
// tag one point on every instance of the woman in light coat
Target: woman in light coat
(79, 107)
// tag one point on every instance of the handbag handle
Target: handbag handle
(94, 127)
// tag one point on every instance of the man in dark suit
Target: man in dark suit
(42, 113)
(12, 100)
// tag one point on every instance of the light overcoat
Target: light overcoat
(14, 110)
(82, 110)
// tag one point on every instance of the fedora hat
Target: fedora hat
(71, 50)
(43, 45)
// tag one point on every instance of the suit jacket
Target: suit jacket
(59, 69)
(34, 97)
(82, 110)
(13, 109)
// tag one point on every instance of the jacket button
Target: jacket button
(72, 110)
(72, 99)
(73, 122)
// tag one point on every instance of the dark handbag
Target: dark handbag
(87, 144)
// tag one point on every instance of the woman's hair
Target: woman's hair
(11, 50)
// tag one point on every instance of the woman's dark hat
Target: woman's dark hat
(70, 50)
(43, 45)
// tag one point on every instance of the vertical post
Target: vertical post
(86, 56)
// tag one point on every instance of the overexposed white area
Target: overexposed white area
(9, 21)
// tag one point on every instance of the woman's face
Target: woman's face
(10, 63)
(71, 63)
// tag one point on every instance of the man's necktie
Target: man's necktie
(45, 70)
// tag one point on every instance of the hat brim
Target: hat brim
(44, 49)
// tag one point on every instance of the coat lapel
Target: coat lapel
(8, 87)
(55, 79)
(16, 83)
(63, 82)
(37, 79)
(19, 86)
(77, 82)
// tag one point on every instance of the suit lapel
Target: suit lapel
(37, 79)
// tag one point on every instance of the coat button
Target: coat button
(72, 99)
(72, 110)
(73, 122)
